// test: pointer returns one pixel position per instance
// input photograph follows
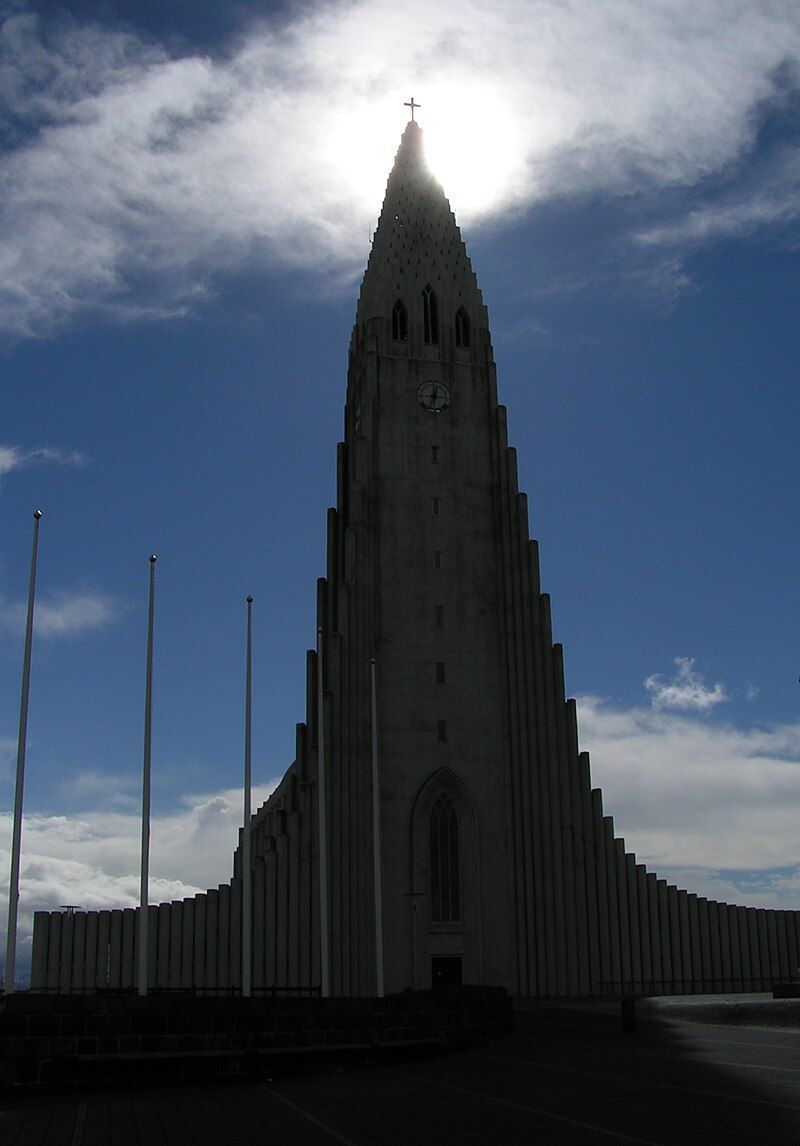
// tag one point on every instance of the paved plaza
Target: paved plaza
(568, 1075)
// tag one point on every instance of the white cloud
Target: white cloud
(738, 214)
(64, 614)
(93, 788)
(91, 859)
(686, 692)
(16, 458)
(137, 175)
(689, 794)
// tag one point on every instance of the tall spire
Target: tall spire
(417, 240)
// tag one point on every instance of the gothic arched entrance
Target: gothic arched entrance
(446, 909)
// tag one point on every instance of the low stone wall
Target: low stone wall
(69, 1039)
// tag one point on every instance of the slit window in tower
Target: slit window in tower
(399, 322)
(462, 327)
(437, 558)
(439, 614)
(437, 506)
(440, 672)
(430, 316)
(445, 892)
(434, 453)
(441, 729)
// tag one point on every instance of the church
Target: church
(438, 823)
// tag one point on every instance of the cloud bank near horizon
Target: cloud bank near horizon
(689, 793)
(130, 177)
(91, 858)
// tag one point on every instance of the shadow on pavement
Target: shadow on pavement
(568, 1075)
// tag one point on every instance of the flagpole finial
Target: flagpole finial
(153, 559)
(37, 513)
(249, 600)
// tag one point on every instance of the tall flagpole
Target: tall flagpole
(324, 958)
(144, 887)
(376, 839)
(247, 875)
(16, 840)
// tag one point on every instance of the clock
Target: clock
(433, 397)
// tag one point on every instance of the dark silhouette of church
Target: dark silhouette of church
(458, 837)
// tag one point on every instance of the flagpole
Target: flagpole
(247, 876)
(144, 888)
(16, 841)
(325, 975)
(376, 839)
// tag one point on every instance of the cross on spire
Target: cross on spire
(410, 103)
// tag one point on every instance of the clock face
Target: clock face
(434, 397)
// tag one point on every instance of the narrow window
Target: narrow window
(462, 327)
(399, 322)
(445, 890)
(441, 727)
(437, 558)
(430, 316)
(437, 506)
(440, 672)
(434, 453)
(439, 616)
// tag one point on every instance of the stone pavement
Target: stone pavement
(568, 1075)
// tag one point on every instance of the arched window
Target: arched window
(399, 322)
(462, 327)
(430, 316)
(445, 897)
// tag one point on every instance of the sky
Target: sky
(188, 194)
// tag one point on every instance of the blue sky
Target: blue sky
(189, 191)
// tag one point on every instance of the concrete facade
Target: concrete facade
(498, 863)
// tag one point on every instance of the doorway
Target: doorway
(446, 969)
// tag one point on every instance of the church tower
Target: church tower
(482, 794)
(438, 822)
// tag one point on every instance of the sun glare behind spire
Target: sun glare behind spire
(473, 147)
(473, 144)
